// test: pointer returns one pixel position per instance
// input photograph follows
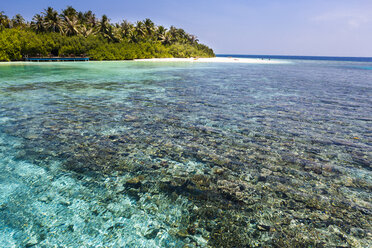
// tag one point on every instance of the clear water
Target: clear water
(142, 154)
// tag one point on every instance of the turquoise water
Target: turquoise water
(143, 154)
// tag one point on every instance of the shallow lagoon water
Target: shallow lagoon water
(141, 154)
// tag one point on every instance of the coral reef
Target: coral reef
(196, 159)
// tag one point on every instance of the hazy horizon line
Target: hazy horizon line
(286, 55)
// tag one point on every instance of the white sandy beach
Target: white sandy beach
(218, 60)
(192, 60)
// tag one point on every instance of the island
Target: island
(73, 33)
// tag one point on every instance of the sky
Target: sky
(265, 27)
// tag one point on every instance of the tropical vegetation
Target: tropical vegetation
(76, 33)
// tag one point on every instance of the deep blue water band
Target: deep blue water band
(325, 58)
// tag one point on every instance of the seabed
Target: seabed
(139, 154)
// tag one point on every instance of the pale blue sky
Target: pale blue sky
(276, 27)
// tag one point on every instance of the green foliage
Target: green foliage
(73, 33)
(187, 50)
(12, 42)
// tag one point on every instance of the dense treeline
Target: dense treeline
(73, 33)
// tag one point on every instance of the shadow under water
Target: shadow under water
(201, 155)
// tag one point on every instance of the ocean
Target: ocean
(178, 154)
(289, 57)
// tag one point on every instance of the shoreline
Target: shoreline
(189, 60)
(216, 60)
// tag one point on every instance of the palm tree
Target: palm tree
(167, 39)
(17, 21)
(80, 16)
(86, 31)
(116, 34)
(71, 22)
(173, 32)
(182, 36)
(149, 26)
(104, 25)
(133, 37)
(71, 26)
(38, 23)
(162, 35)
(4, 21)
(90, 18)
(192, 39)
(140, 30)
(52, 21)
(127, 29)
(69, 12)
(107, 30)
(161, 30)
